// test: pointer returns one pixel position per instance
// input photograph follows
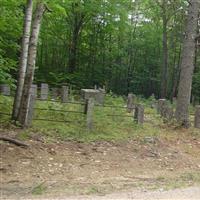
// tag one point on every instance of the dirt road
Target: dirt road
(191, 193)
(73, 170)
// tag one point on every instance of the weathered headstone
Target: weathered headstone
(44, 91)
(139, 114)
(161, 105)
(101, 96)
(5, 89)
(97, 95)
(64, 94)
(174, 100)
(197, 117)
(168, 113)
(54, 93)
(34, 90)
(89, 112)
(154, 102)
(130, 102)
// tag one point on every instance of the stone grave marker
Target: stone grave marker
(139, 114)
(44, 91)
(5, 89)
(130, 102)
(64, 94)
(197, 117)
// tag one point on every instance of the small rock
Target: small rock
(61, 165)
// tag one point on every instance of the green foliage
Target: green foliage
(117, 43)
(10, 32)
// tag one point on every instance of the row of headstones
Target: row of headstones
(97, 93)
(63, 92)
(168, 114)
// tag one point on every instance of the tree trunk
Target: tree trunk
(165, 57)
(24, 107)
(77, 25)
(187, 65)
(23, 58)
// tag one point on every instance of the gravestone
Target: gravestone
(54, 93)
(5, 89)
(197, 117)
(154, 102)
(101, 96)
(64, 94)
(97, 95)
(139, 114)
(44, 91)
(174, 100)
(168, 113)
(34, 90)
(130, 102)
(161, 105)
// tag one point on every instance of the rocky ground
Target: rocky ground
(147, 167)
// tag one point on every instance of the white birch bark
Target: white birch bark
(24, 107)
(23, 57)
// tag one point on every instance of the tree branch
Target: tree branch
(13, 141)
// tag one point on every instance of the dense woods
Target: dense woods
(126, 45)
(100, 96)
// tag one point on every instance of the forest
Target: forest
(100, 99)
(128, 46)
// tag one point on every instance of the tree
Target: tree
(187, 64)
(23, 58)
(32, 51)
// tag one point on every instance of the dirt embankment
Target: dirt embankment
(72, 168)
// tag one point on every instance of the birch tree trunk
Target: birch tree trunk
(25, 100)
(187, 64)
(23, 58)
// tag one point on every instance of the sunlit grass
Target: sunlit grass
(110, 123)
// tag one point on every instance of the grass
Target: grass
(183, 180)
(106, 127)
(39, 189)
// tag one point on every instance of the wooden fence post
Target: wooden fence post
(89, 106)
(139, 114)
(197, 117)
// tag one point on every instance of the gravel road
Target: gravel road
(191, 193)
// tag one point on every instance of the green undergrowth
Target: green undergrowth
(110, 123)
